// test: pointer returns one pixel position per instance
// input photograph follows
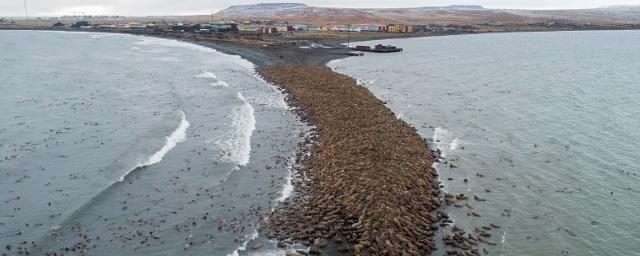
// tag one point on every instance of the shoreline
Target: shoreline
(265, 58)
(267, 55)
(273, 51)
(286, 213)
(268, 62)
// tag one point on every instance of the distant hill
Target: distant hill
(454, 14)
(621, 7)
(260, 8)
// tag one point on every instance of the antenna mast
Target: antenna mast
(348, 35)
(26, 12)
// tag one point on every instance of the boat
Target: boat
(378, 48)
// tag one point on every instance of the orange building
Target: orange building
(399, 28)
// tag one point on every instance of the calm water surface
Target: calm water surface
(125, 145)
(544, 126)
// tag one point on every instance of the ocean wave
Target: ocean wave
(237, 59)
(315, 46)
(287, 188)
(365, 83)
(454, 144)
(237, 147)
(99, 36)
(445, 141)
(275, 98)
(319, 45)
(220, 84)
(247, 239)
(333, 65)
(206, 74)
(177, 136)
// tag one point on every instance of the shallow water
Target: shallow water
(545, 127)
(135, 146)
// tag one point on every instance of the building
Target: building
(491, 23)
(365, 28)
(58, 25)
(422, 28)
(399, 28)
(179, 27)
(82, 23)
(106, 26)
(136, 26)
(300, 27)
(221, 28)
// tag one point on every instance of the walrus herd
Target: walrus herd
(368, 186)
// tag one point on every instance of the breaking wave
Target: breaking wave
(177, 136)
(287, 189)
(444, 141)
(220, 84)
(149, 41)
(243, 247)
(237, 148)
(454, 144)
(206, 74)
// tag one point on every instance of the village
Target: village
(216, 28)
(247, 27)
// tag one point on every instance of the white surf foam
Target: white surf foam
(454, 144)
(177, 136)
(237, 146)
(243, 247)
(503, 240)
(319, 45)
(237, 59)
(365, 83)
(333, 64)
(445, 141)
(275, 98)
(220, 84)
(98, 36)
(287, 189)
(206, 74)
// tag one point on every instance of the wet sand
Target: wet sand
(369, 188)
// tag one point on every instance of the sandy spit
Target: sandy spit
(369, 188)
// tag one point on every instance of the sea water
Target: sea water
(544, 126)
(127, 145)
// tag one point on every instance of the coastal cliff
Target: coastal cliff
(370, 187)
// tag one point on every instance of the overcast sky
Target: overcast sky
(182, 7)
